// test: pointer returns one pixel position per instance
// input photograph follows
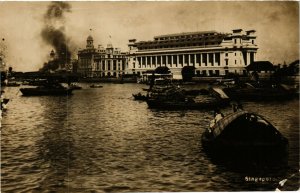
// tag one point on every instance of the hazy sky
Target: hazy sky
(21, 23)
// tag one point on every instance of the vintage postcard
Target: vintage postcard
(149, 96)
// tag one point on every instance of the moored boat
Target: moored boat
(96, 86)
(254, 92)
(174, 98)
(75, 86)
(52, 89)
(139, 96)
(188, 103)
(244, 134)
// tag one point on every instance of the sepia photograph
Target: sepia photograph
(149, 96)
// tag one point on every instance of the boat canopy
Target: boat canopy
(225, 121)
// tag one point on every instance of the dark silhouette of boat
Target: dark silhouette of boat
(139, 96)
(249, 91)
(174, 98)
(51, 89)
(189, 104)
(75, 86)
(96, 86)
(244, 134)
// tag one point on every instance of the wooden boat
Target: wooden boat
(75, 87)
(189, 104)
(139, 96)
(244, 134)
(55, 89)
(96, 86)
(175, 98)
(250, 92)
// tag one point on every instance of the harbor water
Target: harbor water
(101, 140)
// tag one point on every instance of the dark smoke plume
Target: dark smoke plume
(53, 34)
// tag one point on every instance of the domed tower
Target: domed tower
(89, 42)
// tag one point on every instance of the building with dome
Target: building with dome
(211, 53)
(100, 61)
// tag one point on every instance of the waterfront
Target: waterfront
(102, 140)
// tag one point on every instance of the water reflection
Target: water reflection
(56, 144)
(102, 140)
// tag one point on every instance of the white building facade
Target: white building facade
(101, 62)
(210, 52)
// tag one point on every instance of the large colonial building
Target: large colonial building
(101, 62)
(210, 52)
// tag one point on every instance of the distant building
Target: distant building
(101, 62)
(210, 52)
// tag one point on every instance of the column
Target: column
(200, 61)
(146, 61)
(161, 59)
(151, 64)
(166, 60)
(207, 59)
(248, 58)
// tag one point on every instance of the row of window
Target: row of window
(177, 46)
(110, 67)
(207, 72)
(184, 36)
(176, 60)
(102, 74)
(110, 56)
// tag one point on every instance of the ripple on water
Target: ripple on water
(100, 140)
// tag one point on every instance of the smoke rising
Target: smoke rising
(53, 34)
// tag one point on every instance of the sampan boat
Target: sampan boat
(140, 97)
(244, 134)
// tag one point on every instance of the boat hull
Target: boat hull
(174, 105)
(44, 92)
(246, 135)
(258, 94)
(140, 97)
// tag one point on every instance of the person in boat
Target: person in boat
(237, 107)
(217, 117)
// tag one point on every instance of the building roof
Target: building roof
(215, 39)
(260, 66)
(186, 33)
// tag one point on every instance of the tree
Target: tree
(188, 72)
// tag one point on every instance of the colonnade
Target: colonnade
(178, 60)
(110, 65)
